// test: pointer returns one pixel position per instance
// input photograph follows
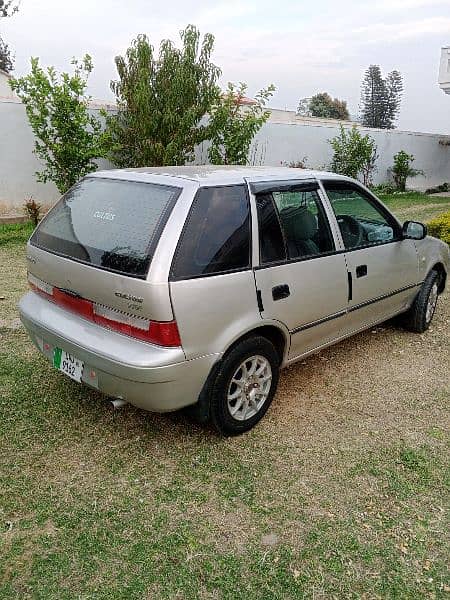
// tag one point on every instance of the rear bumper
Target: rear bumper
(150, 377)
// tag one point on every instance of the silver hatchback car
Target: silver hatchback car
(192, 286)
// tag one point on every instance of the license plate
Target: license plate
(68, 364)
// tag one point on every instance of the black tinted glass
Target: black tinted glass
(272, 248)
(216, 237)
(108, 223)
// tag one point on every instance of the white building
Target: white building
(444, 70)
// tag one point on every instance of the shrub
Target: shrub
(440, 227)
(383, 188)
(68, 138)
(354, 154)
(233, 127)
(296, 164)
(402, 169)
(444, 187)
(32, 210)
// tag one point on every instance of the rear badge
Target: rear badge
(129, 297)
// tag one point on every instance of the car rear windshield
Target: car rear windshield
(108, 223)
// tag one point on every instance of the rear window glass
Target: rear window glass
(108, 223)
(216, 238)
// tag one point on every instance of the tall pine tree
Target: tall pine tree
(380, 98)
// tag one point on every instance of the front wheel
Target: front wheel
(244, 385)
(419, 316)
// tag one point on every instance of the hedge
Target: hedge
(440, 227)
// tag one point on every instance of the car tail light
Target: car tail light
(156, 332)
(162, 333)
(74, 303)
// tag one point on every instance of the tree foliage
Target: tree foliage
(323, 105)
(7, 9)
(380, 98)
(403, 169)
(233, 125)
(354, 155)
(303, 107)
(68, 137)
(162, 100)
(6, 59)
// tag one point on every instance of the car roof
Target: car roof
(207, 175)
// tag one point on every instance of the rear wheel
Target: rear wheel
(420, 315)
(244, 385)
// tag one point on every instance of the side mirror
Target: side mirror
(413, 230)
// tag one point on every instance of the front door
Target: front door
(301, 279)
(382, 266)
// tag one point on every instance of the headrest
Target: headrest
(298, 222)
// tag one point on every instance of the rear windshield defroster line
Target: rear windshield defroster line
(110, 224)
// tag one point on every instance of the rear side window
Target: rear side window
(216, 237)
(272, 246)
(108, 223)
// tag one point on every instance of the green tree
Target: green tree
(7, 9)
(380, 98)
(68, 137)
(233, 126)
(402, 169)
(6, 58)
(162, 100)
(354, 155)
(323, 105)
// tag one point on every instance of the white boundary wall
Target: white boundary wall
(284, 138)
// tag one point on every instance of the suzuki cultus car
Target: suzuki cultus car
(193, 286)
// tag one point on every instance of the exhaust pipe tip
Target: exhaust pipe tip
(118, 403)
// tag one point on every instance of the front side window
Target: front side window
(361, 222)
(216, 237)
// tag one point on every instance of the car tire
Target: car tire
(420, 315)
(244, 385)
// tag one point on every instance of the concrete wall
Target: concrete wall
(282, 142)
(284, 138)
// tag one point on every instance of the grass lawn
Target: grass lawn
(416, 206)
(342, 491)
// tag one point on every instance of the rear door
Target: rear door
(211, 279)
(301, 279)
(383, 267)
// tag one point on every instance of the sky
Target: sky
(301, 47)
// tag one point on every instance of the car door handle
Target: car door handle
(361, 271)
(281, 291)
